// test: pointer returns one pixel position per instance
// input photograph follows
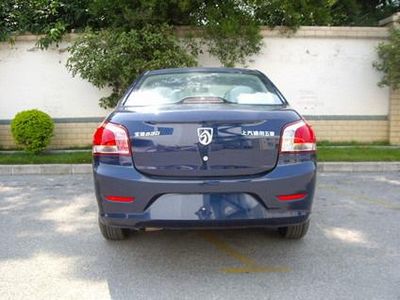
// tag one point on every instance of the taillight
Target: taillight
(111, 139)
(120, 198)
(292, 197)
(298, 137)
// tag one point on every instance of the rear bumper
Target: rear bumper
(242, 202)
(270, 222)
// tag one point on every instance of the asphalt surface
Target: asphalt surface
(50, 247)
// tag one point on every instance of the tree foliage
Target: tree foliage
(229, 30)
(389, 60)
(362, 12)
(294, 13)
(55, 17)
(50, 17)
(115, 58)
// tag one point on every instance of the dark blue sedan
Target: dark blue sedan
(204, 148)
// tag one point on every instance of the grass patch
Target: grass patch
(46, 158)
(355, 153)
(358, 154)
(88, 147)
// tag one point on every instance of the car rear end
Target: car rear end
(202, 153)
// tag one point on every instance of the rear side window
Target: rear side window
(202, 87)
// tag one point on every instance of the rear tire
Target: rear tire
(112, 233)
(294, 231)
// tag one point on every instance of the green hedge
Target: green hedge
(32, 129)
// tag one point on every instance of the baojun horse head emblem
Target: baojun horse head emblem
(205, 135)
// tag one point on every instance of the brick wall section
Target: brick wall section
(6, 139)
(394, 117)
(68, 135)
(351, 130)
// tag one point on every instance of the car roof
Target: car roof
(202, 69)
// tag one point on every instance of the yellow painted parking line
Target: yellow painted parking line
(256, 270)
(225, 248)
(250, 266)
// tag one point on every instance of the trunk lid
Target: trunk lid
(204, 141)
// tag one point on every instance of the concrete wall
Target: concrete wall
(34, 78)
(326, 73)
(325, 70)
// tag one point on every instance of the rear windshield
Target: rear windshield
(202, 88)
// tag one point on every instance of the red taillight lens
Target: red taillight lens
(291, 197)
(298, 137)
(120, 198)
(111, 138)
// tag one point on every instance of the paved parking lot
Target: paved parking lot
(50, 247)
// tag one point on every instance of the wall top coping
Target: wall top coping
(328, 32)
(279, 31)
(390, 20)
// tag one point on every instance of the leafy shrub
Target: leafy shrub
(115, 58)
(231, 33)
(389, 60)
(32, 129)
